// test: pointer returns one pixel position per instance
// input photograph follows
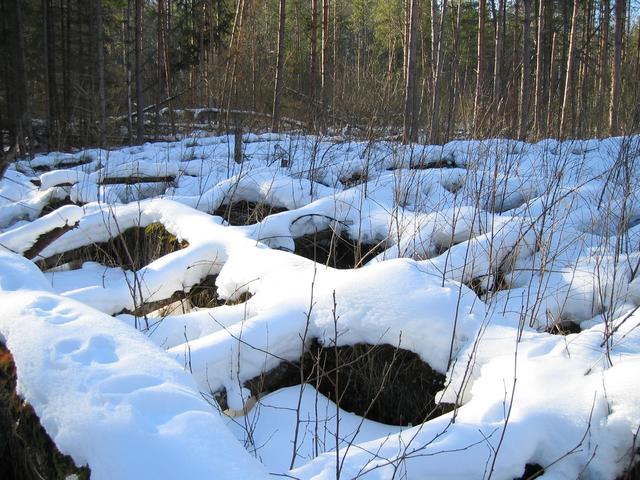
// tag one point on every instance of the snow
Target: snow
(560, 415)
(485, 245)
(271, 424)
(21, 238)
(103, 392)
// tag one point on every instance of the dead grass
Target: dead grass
(132, 249)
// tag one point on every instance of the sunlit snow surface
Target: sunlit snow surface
(545, 233)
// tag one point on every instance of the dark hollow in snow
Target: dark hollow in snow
(337, 251)
(531, 471)
(205, 293)
(53, 205)
(563, 328)
(26, 451)
(424, 164)
(71, 163)
(378, 382)
(356, 178)
(169, 180)
(442, 163)
(480, 287)
(201, 295)
(246, 213)
(132, 249)
(633, 472)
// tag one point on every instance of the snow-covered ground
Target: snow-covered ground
(485, 247)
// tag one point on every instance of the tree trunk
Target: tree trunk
(17, 98)
(128, 72)
(334, 49)
(498, 98)
(434, 134)
(583, 117)
(603, 61)
(230, 88)
(569, 92)
(277, 90)
(435, 35)
(65, 27)
(139, 93)
(538, 115)
(313, 67)
(406, 26)
(102, 105)
(325, 61)
(616, 72)
(50, 82)
(410, 107)
(638, 58)
(525, 79)
(478, 104)
(164, 74)
(510, 112)
(553, 84)
(455, 83)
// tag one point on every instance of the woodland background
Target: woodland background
(108, 72)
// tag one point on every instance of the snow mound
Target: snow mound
(105, 394)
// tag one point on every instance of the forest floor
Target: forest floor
(329, 307)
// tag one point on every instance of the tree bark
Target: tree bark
(102, 103)
(139, 92)
(616, 72)
(50, 82)
(569, 92)
(65, 28)
(478, 104)
(583, 115)
(410, 107)
(553, 84)
(434, 134)
(313, 67)
(435, 35)
(538, 115)
(128, 72)
(17, 98)
(277, 90)
(525, 79)
(455, 83)
(325, 61)
(230, 87)
(603, 60)
(164, 73)
(498, 98)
